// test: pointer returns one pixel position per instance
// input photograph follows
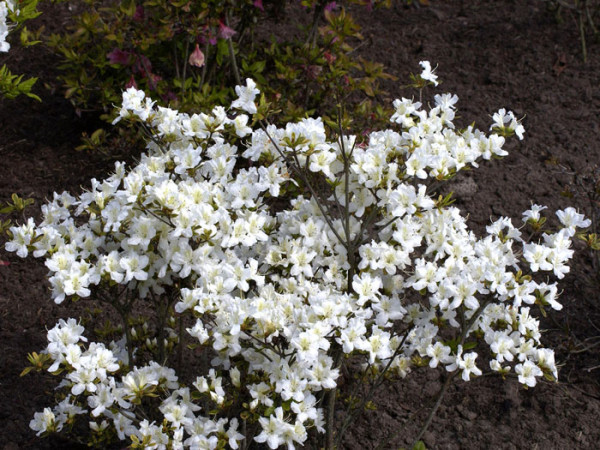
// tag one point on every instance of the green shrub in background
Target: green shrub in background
(189, 55)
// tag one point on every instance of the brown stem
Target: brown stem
(438, 402)
(465, 329)
(330, 405)
(352, 415)
(205, 65)
(236, 72)
(185, 64)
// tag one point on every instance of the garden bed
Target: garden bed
(492, 54)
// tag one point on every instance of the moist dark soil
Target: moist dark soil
(512, 54)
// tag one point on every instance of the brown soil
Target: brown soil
(492, 54)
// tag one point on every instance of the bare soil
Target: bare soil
(492, 54)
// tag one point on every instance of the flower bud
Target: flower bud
(118, 56)
(234, 374)
(225, 32)
(197, 57)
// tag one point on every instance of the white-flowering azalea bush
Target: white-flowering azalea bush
(277, 254)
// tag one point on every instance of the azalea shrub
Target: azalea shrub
(13, 15)
(251, 264)
(189, 55)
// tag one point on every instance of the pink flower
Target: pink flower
(144, 67)
(131, 83)
(118, 56)
(206, 36)
(168, 97)
(153, 80)
(139, 13)
(197, 57)
(330, 6)
(258, 4)
(225, 32)
(312, 71)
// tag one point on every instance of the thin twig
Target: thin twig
(236, 72)
(378, 381)
(185, 64)
(466, 326)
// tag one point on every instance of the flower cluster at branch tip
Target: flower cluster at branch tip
(377, 267)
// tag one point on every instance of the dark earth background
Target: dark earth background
(492, 54)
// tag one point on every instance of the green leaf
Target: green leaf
(419, 445)
(27, 38)
(128, 7)
(11, 86)
(222, 51)
(469, 345)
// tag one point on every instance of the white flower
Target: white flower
(571, 220)
(465, 363)
(527, 373)
(5, 7)
(366, 287)
(273, 429)
(44, 421)
(22, 238)
(4, 46)
(404, 111)
(134, 264)
(246, 95)
(507, 122)
(438, 353)
(241, 125)
(503, 346)
(427, 73)
(533, 213)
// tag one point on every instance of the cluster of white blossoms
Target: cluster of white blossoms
(374, 267)
(6, 6)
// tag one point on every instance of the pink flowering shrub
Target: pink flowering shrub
(190, 55)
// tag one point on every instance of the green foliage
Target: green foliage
(27, 11)
(18, 204)
(419, 445)
(11, 86)
(37, 362)
(189, 55)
